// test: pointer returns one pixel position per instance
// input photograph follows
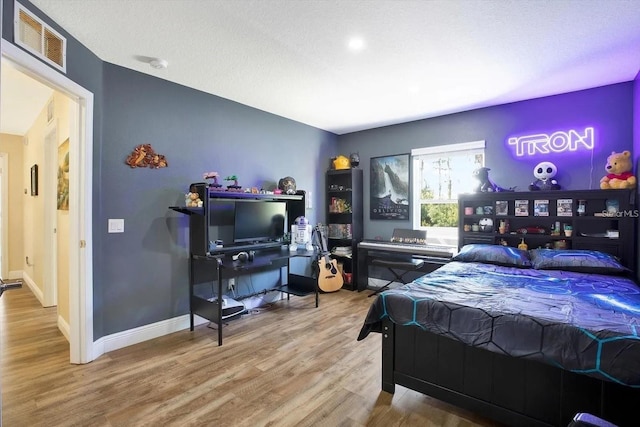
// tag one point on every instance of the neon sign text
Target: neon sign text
(557, 142)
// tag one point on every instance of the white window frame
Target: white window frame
(436, 235)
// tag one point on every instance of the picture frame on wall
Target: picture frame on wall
(34, 180)
(389, 193)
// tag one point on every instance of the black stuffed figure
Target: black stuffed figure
(484, 183)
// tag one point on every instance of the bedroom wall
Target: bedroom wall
(146, 267)
(608, 109)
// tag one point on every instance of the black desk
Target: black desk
(220, 266)
(367, 255)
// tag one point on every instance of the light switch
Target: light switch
(116, 225)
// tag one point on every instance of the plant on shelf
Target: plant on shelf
(214, 176)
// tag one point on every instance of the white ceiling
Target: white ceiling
(23, 98)
(420, 58)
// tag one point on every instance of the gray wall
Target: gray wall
(145, 269)
(609, 109)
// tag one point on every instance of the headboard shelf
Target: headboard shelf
(603, 220)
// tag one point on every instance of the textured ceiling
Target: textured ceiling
(420, 58)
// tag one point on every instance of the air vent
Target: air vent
(40, 39)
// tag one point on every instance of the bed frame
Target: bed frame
(513, 391)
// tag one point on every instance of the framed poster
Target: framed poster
(389, 188)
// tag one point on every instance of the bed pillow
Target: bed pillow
(493, 254)
(578, 260)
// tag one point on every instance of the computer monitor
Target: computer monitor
(259, 221)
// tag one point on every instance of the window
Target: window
(439, 175)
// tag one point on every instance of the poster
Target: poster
(389, 195)
(63, 176)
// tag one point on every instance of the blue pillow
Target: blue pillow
(577, 260)
(493, 254)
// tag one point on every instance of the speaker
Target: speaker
(244, 256)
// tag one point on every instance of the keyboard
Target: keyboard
(441, 251)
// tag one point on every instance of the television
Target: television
(259, 221)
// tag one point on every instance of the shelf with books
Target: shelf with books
(344, 217)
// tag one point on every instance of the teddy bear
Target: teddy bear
(619, 175)
(193, 200)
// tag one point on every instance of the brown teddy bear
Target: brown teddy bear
(192, 200)
(619, 175)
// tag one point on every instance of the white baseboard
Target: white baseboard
(34, 288)
(143, 333)
(15, 274)
(64, 327)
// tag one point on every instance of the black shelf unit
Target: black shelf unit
(215, 264)
(344, 216)
(588, 228)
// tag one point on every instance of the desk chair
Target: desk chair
(398, 268)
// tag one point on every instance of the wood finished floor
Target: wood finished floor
(291, 364)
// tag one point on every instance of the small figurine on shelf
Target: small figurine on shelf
(235, 186)
(544, 173)
(214, 176)
(354, 159)
(192, 200)
(523, 245)
(484, 184)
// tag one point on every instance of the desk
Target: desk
(367, 255)
(221, 266)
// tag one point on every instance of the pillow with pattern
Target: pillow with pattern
(577, 260)
(493, 254)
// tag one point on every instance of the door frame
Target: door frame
(50, 284)
(80, 197)
(4, 164)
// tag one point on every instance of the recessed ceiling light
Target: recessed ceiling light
(158, 64)
(356, 43)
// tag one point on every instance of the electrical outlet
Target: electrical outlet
(231, 283)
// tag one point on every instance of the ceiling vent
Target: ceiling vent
(34, 35)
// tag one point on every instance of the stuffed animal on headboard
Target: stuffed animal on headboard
(619, 171)
(485, 185)
(544, 173)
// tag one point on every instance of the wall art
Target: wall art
(389, 188)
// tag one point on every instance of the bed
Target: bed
(526, 338)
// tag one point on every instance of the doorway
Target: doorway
(4, 217)
(80, 291)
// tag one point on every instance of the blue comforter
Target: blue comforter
(585, 323)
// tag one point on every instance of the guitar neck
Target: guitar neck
(322, 240)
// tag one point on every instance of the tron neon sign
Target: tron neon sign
(557, 142)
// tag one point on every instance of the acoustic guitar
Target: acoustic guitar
(329, 278)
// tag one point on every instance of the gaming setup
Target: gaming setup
(244, 226)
